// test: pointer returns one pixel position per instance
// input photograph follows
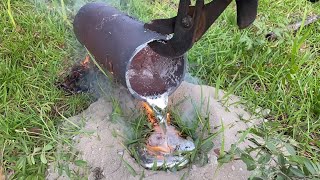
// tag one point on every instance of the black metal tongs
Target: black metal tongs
(192, 22)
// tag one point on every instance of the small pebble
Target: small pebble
(265, 112)
(240, 169)
(233, 168)
(214, 160)
(120, 152)
(99, 149)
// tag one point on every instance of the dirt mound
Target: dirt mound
(107, 158)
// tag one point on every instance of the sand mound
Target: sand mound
(106, 155)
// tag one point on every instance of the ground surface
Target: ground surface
(37, 45)
(104, 151)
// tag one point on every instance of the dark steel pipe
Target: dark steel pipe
(119, 44)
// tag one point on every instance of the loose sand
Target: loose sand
(105, 153)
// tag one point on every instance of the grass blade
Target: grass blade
(10, 14)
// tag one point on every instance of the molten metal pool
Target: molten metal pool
(165, 148)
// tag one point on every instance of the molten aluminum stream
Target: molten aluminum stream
(165, 147)
(159, 108)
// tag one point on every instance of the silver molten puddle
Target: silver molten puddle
(165, 150)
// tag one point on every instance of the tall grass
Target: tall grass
(31, 59)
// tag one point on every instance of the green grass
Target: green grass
(282, 76)
(37, 44)
(33, 52)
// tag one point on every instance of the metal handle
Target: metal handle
(192, 22)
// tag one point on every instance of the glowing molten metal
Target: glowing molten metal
(164, 145)
(85, 63)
